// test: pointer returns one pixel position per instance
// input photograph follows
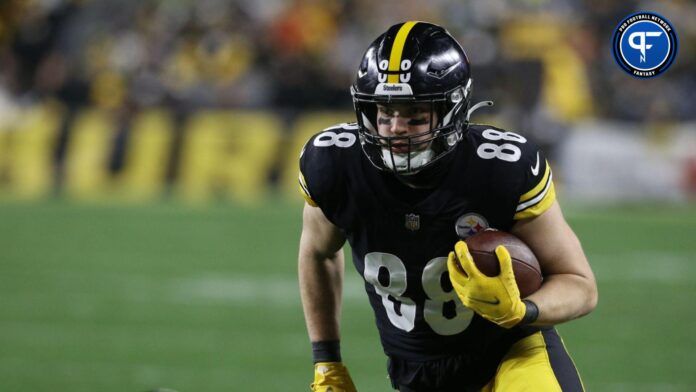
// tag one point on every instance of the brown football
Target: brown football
(524, 264)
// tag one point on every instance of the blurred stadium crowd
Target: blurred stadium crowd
(546, 64)
(303, 53)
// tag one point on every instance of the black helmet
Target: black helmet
(413, 62)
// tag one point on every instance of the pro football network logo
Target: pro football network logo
(470, 224)
(645, 44)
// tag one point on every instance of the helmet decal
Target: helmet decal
(393, 89)
(396, 66)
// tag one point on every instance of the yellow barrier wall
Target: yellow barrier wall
(304, 127)
(228, 153)
(223, 154)
(89, 148)
(27, 151)
(147, 156)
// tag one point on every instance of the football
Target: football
(524, 263)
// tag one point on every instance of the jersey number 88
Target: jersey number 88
(506, 151)
(434, 306)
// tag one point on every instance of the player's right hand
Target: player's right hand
(496, 298)
(331, 377)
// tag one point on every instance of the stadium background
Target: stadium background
(148, 207)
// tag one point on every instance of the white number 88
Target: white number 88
(506, 151)
(328, 138)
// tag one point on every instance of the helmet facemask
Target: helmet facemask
(420, 64)
(409, 154)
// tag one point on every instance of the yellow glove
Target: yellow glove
(496, 298)
(331, 377)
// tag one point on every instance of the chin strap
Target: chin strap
(476, 107)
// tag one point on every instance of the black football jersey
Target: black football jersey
(400, 237)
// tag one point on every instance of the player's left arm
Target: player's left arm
(569, 289)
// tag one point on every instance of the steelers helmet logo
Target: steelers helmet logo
(470, 224)
(645, 44)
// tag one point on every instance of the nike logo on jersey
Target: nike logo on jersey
(535, 168)
(495, 301)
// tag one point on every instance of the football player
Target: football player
(403, 185)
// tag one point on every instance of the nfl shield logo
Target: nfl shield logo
(412, 222)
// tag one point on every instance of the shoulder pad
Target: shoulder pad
(323, 160)
(517, 165)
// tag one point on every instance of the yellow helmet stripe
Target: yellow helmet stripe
(397, 49)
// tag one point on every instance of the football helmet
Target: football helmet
(413, 63)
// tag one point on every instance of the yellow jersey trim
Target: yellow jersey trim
(539, 199)
(397, 50)
(535, 191)
(305, 191)
(544, 203)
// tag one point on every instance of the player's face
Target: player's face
(405, 120)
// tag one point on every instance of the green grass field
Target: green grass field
(130, 298)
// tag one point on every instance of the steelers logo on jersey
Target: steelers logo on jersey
(470, 224)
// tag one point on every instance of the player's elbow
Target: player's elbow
(591, 295)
